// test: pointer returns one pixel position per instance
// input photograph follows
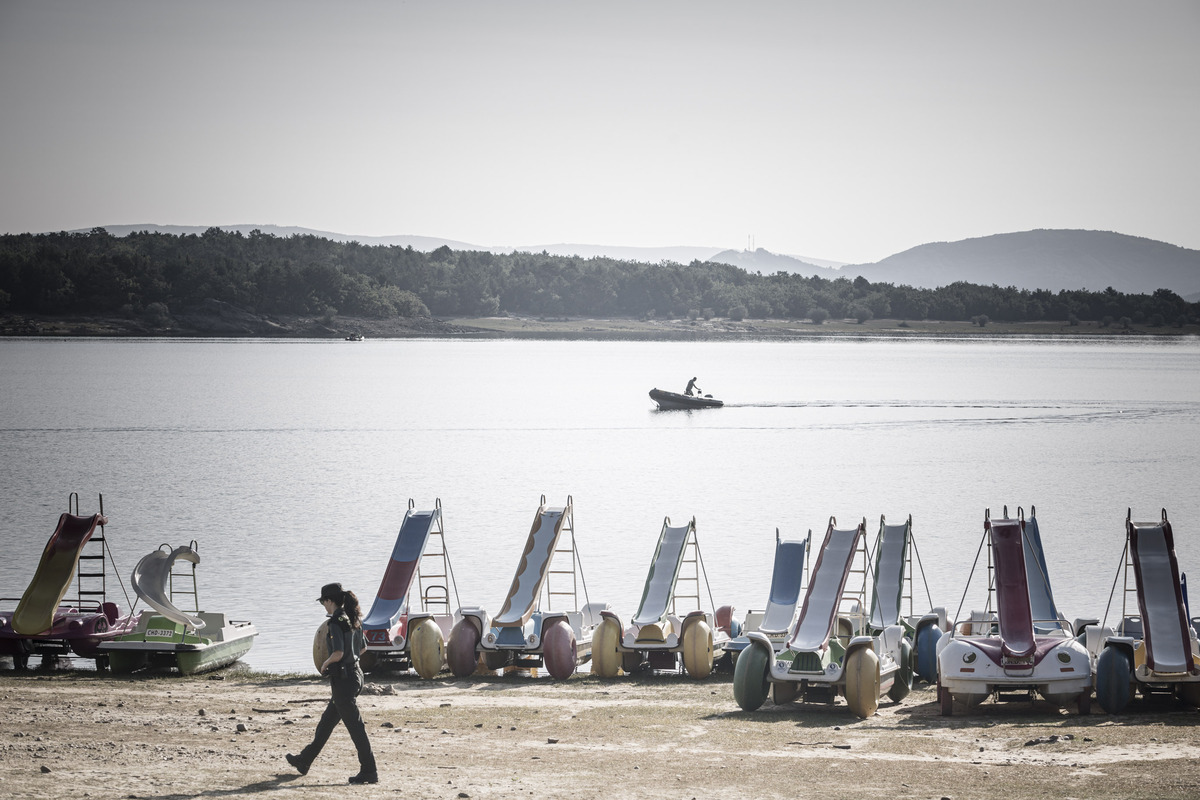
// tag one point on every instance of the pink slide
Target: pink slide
(1012, 588)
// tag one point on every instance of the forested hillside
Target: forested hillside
(155, 275)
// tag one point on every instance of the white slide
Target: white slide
(889, 574)
(786, 579)
(531, 572)
(150, 580)
(1163, 617)
(660, 582)
(825, 587)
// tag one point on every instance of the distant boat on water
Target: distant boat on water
(673, 401)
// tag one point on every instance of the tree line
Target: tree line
(155, 274)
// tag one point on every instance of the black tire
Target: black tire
(750, 683)
(903, 682)
(1114, 676)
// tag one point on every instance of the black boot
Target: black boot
(365, 777)
(299, 763)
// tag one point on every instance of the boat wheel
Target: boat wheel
(750, 680)
(559, 652)
(460, 650)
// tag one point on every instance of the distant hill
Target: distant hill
(1044, 259)
(768, 263)
(680, 254)
(1038, 259)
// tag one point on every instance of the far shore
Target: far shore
(225, 323)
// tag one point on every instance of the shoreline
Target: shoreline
(226, 323)
(662, 735)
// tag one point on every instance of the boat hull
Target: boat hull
(672, 401)
(76, 631)
(159, 643)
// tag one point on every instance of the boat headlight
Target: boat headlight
(1064, 656)
(969, 657)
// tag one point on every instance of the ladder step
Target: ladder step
(82, 592)
(91, 574)
(90, 557)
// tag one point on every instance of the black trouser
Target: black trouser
(343, 708)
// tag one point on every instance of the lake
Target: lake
(291, 462)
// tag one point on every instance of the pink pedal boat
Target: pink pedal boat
(44, 622)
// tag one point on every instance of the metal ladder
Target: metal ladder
(906, 584)
(187, 574)
(857, 598)
(568, 551)
(690, 558)
(92, 568)
(991, 567)
(1130, 588)
(434, 574)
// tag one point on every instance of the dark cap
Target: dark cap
(332, 591)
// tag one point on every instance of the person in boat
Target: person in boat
(346, 644)
(691, 385)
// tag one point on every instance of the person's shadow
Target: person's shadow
(276, 783)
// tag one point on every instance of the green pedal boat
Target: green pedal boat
(168, 638)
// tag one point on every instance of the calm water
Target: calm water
(291, 463)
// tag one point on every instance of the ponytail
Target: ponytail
(352, 608)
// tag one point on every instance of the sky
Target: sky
(834, 130)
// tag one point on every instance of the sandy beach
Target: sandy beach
(74, 735)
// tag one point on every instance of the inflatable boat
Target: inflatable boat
(672, 401)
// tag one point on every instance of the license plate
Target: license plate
(1027, 661)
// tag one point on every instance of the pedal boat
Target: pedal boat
(45, 622)
(1154, 651)
(832, 650)
(168, 638)
(1008, 650)
(529, 633)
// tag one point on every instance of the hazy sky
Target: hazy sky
(847, 131)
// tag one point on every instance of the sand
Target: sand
(76, 735)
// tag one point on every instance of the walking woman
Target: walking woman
(346, 644)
